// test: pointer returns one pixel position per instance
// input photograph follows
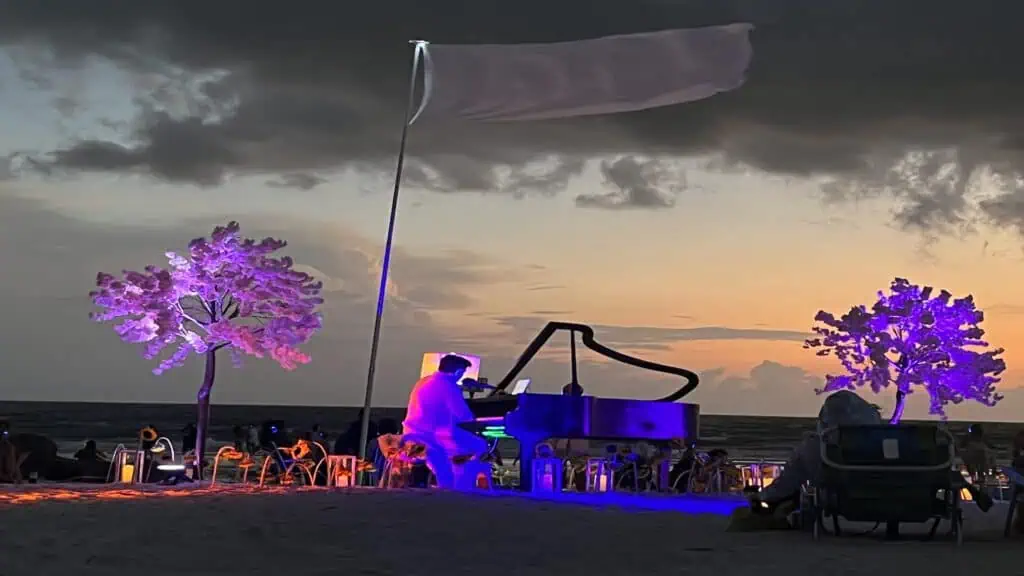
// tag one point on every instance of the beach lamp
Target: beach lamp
(129, 466)
(548, 470)
(342, 470)
(189, 460)
(600, 475)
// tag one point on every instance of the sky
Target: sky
(873, 139)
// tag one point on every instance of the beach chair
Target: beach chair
(887, 474)
(1016, 481)
(293, 464)
(401, 452)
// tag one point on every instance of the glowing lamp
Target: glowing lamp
(760, 474)
(600, 475)
(547, 474)
(342, 471)
(130, 466)
(190, 465)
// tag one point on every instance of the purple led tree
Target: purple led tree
(912, 337)
(229, 292)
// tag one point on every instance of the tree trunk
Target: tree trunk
(203, 405)
(897, 412)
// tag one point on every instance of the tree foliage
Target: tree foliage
(912, 337)
(227, 292)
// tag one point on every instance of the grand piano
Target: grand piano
(534, 418)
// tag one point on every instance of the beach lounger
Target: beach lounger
(887, 475)
(1016, 480)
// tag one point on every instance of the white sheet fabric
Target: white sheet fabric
(515, 82)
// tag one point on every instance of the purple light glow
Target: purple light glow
(717, 505)
(911, 337)
(228, 292)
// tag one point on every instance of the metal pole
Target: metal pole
(572, 355)
(382, 295)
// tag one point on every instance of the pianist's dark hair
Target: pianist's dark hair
(453, 363)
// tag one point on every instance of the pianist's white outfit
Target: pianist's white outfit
(436, 407)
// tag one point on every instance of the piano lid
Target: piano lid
(587, 335)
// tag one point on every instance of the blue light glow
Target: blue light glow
(717, 505)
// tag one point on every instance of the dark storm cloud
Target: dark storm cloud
(842, 90)
(636, 183)
(298, 180)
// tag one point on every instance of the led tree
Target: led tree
(228, 293)
(912, 337)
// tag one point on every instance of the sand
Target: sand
(314, 532)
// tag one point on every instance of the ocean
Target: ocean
(69, 424)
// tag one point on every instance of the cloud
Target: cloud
(913, 103)
(524, 328)
(298, 180)
(778, 389)
(51, 351)
(1005, 309)
(544, 287)
(6, 168)
(636, 183)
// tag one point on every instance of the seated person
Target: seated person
(436, 407)
(1017, 454)
(240, 436)
(347, 442)
(374, 455)
(1017, 463)
(976, 453)
(10, 461)
(842, 408)
(89, 452)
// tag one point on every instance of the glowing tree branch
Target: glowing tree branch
(912, 337)
(228, 292)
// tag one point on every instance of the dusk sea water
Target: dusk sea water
(71, 423)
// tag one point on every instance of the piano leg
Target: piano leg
(664, 468)
(527, 452)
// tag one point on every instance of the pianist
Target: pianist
(436, 408)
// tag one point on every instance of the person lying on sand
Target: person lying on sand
(436, 408)
(10, 461)
(90, 453)
(842, 408)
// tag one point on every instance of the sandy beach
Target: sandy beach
(313, 532)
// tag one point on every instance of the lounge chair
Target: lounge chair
(1016, 480)
(887, 474)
